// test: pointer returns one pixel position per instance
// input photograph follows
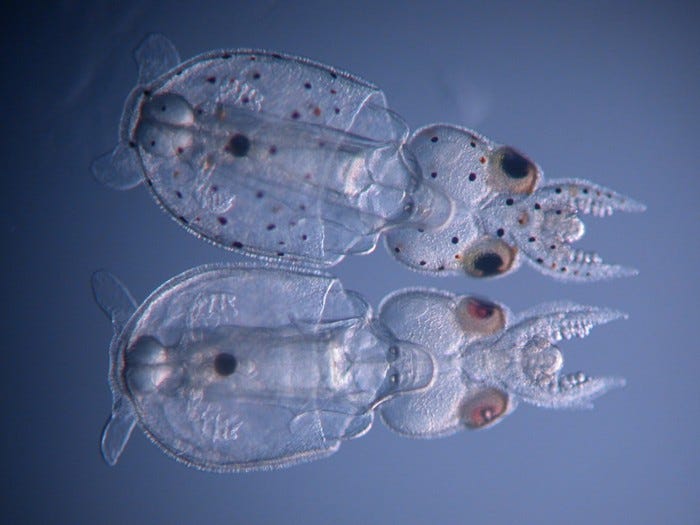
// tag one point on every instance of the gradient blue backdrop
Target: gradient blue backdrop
(599, 90)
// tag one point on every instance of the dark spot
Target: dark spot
(515, 165)
(147, 92)
(222, 220)
(302, 207)
(537, 206)
(226, 56)
(552, 246)
(321, 144)
(273, 149)
(149, 182)
(238, 146)
(245, 100)
(256, 75)
(304, 237)
(180, 151)
(455, 240)
(433, 174)
(214, 188)
(422, 263)
(280, 254)
(225, 364)
(558, 212)
(307, 85)
(132, 144)
(281, 243)
(334, 92)
(271, 227)
(472, 144)
(252, 58)
(237, 244)
(531, 239)
(472, 177)
(440, 268)
(295, 115)
(276, 55)
(211, 80)
(539, 260)
(178, 194)
(562, 269)
(488, 264)
(421, 230)
(182, 219)
(434, 139)
(153, 143)
(397, 249)
(509, 202)
(557, 190)
(500, 232)
(260, 194)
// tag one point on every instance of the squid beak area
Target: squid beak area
(542, 361)
(553, 224)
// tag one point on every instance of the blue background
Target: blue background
(598, 90)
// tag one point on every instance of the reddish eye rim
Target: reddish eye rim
(485, 408)
(478, 316)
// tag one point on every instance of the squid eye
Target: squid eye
(484, 408)
(489, 258)
(480, 316)
(510, 170)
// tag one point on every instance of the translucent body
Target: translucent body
(234, 368)
(283, 158)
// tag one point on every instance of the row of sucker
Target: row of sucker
(574, 321)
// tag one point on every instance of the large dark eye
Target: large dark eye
(479, 316)
(489, 258)
(225, 364)
(510, 170)
(484, 408)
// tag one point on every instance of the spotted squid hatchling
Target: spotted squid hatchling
(280, 157)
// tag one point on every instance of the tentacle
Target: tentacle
(576, 390)
(585, 197)
(564, 320)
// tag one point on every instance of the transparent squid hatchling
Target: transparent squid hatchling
(283, 158)
(233, 368)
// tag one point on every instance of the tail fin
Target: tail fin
(113, 298)
(116, 301)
